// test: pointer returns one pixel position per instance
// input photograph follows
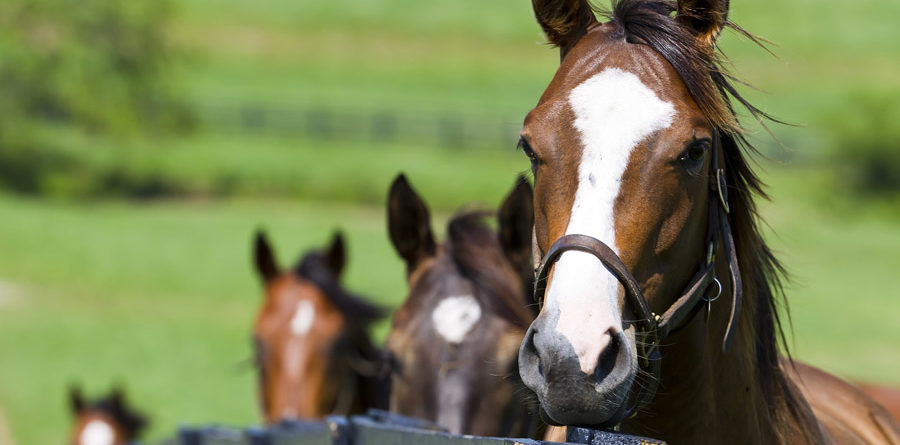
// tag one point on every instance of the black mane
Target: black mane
(701, 67)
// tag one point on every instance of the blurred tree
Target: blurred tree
(102, 66)
(867, 143)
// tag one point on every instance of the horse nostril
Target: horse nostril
(608, 356)
(537, 356)
(529, 357)
(615, 361)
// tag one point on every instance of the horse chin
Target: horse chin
(600, 407)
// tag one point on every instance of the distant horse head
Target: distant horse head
(104, 421)
(454, 340)
(311, 339)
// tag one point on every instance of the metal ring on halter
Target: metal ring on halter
(718, 292)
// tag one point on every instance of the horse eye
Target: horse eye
(532, 156)
(696, 151)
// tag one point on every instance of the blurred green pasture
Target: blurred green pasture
(471, 58)
(159, 295)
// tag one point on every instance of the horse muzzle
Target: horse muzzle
(550, 366)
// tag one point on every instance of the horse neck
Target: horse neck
(374, 391)
(710, 396)
(372, 380)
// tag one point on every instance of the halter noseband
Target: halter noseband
(651, 327)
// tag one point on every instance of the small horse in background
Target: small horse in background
(104, 421)
(453, 342)
(312, 348)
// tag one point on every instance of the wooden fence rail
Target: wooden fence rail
(445, 129)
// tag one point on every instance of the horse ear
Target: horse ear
(336, 254)
(705, 18)
(516, 222)
(76, 400)
(117, 399)
(564, 21)
(409, 223)
(264, 258)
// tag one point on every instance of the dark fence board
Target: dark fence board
(377, 428)
(369, 432)
(322, 122)
(595, 437)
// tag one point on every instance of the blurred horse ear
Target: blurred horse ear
(516, 222)
(76, 400)
(564, 21)
(264, 258)
(117, 399)
(705, 18)
(409, 223)
(336, 254)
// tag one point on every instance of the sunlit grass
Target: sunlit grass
(160, 296)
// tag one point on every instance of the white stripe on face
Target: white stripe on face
(614, 111)
(97, 432)
(455, 316)
(303, 318)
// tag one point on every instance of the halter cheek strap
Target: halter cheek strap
(652, 327)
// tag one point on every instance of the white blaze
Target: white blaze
(303, 318)
(455, 316)
(97, 432)
(614, 111)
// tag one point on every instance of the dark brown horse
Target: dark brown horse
(311, 339)
(659, 292)
(104, 421)
(454, 340)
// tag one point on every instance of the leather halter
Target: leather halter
(652, 327)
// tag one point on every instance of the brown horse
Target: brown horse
(645, 218)
(105, 421)
(454, 340)
(311, 341)
(887, 396)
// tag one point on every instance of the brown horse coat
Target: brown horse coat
(846, 413)
(311, 342)
(453, 341)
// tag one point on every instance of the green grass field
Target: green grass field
(159, 295)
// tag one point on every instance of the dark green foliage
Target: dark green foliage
(99, 66)
(866, 134)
